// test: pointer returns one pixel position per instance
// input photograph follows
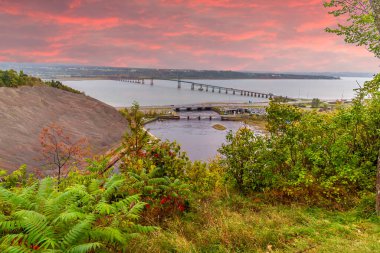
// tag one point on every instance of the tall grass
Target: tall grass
(240, 224)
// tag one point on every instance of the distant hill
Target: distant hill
(26, 110)
(337, 74)
(57, 71)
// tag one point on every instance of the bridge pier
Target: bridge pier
(200, 87)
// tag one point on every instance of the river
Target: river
(198, 138)
(121, 94)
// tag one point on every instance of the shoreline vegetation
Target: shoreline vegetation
(262, 194)
(70, 72)
(310, 184)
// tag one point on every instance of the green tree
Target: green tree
(315, 103)
(362, 28)
(137, 137)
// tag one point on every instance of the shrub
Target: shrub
(324, 159)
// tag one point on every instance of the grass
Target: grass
(239, 224)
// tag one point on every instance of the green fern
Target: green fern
(97, 217)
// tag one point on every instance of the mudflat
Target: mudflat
(26, 110)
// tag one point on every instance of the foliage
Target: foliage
(135, 139)
(12, 79)
(360, 27)
(364, 29)
(315, 103)
(320, 158)
(245, 168)
(244, 224)
(17, 178)
(164, 196)
(59, 151)
(81, 218)
(61, 86)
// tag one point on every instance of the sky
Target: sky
(241, 35)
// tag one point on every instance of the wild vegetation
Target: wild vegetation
(308, 185)
(12, 79)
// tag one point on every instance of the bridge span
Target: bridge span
(203, 87)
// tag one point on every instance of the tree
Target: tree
(59, 151)
(375, 4)
(362, 28)
(315, 103)
(137, 137)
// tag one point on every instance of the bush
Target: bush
(324, 159)
(12, 79)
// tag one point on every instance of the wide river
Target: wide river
(120, 94)
(198, 138)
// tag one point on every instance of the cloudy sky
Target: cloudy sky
(261, 35)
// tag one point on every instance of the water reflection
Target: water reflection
(197, 137)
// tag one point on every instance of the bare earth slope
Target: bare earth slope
(26, 110)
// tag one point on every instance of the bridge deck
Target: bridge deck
(206, 87)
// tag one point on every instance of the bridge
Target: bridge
(202, 87)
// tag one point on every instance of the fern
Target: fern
(79, 218)
(83, 248)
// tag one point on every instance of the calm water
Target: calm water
(120, 94)
(197, 137)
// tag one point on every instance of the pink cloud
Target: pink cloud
(203, 34)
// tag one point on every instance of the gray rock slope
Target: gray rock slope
(25, 111)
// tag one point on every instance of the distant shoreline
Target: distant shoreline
(184, 78)
(116, 78)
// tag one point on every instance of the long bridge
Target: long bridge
(202, 87)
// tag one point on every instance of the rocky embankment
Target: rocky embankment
(26, 110)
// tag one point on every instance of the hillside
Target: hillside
(24, 111)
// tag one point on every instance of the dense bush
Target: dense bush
(12, 79)
(310, 156)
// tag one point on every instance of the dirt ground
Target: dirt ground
(25, 111)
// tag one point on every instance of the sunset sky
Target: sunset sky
(256, 35)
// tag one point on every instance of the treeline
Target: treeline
(14, 79)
